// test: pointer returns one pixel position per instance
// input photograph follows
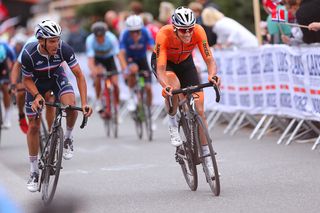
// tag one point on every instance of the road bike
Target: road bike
(109, 114)
(51, 157)
(142, 114)
(191, 127)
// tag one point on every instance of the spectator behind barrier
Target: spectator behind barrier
(166, 10)
(197, 8)
(308, 12)
(230, 33)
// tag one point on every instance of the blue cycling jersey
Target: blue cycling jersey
(136, 50)
(6, 52)
(36, 65)
(107, 49)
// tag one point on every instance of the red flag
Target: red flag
(281, 15)
(278, 15)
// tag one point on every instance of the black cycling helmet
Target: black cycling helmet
(99, 28)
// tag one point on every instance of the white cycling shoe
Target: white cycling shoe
(175, 136)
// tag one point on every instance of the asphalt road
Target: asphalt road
(129, 175)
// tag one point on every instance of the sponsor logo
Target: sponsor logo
(255, 66)
(229, 66)
(205, 48)
(300, 102)
(297, 65)
(232, 99)
(268, 63)
(56, 56)
(242, 66)
(56, 60)
(39, 62)
(285, 100)
(258, 100)
(313, 63)
(282, 62)
(62, 83)
(245, 100)
(157, 50)
(271, 100)
(316, 104)
(72, 57)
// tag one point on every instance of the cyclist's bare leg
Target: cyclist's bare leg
(50, 111)
(69, 99)
(6, 96)
(97, 87)
(149, 94)
(174, 82)
(133, 70)
(114, 81)
(199, 101)
(20, 98)
(33, 136)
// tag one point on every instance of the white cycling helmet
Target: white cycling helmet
(134, 22)
(48, 29)
(183, 18)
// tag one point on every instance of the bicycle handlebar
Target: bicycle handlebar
(193, 89)
(196, 88)
(69, 107)
(108, 74)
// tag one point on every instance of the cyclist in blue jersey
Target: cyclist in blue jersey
(101, 47)
(135, 40)
(43, 73)
(7, 58)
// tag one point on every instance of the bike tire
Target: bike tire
(52, 172)
(107, 126)
(214, 183)
(185, 155)
(148, 122)
(138, 122)
(42, 135)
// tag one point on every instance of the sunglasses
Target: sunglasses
(135, 31)
(185, 30)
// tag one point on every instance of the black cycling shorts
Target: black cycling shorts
(185, 71)
(108, 63)
(143, 66)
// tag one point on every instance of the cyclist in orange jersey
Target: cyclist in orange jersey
(173, 65)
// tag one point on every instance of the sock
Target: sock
(21, 116)
(68, 133)
(173, 121)
(7, 115)
(205, 150)
(34, 164)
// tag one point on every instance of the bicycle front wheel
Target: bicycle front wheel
(185, 155)
(148, 122)
(138, 120)
(213, 180)
(52, 166)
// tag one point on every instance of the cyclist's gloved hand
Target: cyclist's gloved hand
(167, 91)
(87, 110)
(37, 103)
(215, 80)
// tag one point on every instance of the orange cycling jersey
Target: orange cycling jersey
(170, 47)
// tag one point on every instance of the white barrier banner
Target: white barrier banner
(274, 80)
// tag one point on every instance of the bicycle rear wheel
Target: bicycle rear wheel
(148, 122)
(185, 156)
(214, 182)
(138, 119)
(52, 166)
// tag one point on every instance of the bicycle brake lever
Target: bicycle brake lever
(84, 120)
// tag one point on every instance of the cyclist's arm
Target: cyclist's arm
(161, 54)
(122, 59)
(90, 54)
(81, 82)
(206, 53)
(15, 72)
